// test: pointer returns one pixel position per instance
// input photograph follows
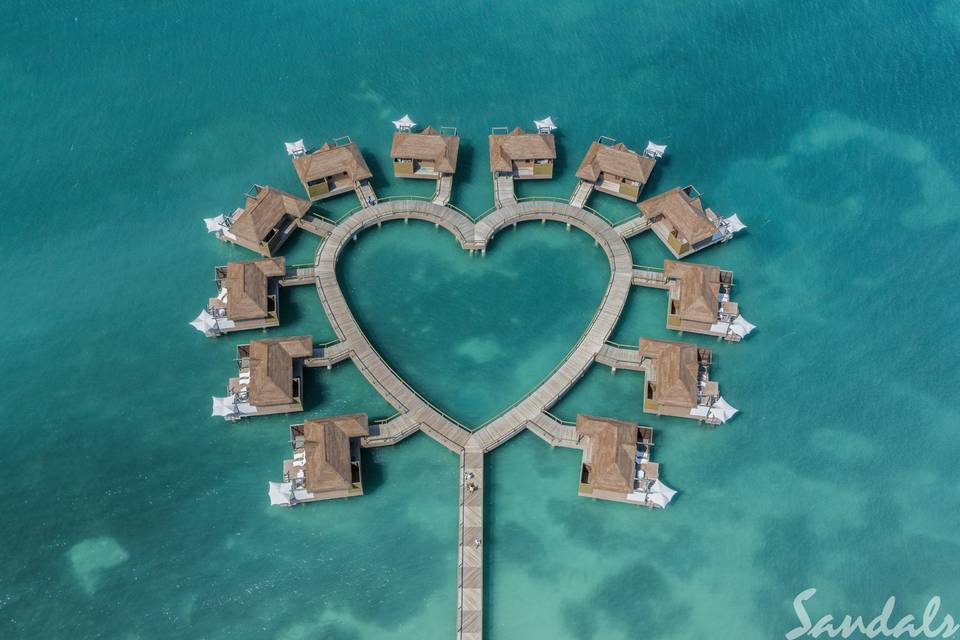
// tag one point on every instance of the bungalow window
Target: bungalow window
(296, 388)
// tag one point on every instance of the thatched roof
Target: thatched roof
(271, 368)
(613, 445)
(685, 213)
(616, 159)
(330, 161)
(264, 210)
(428, 144)
(699, 291)
(517, 145)
(246, 285)
(676, 367)
(327, 451)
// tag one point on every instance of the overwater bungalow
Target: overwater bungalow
(427, 154)
(247, 298)
(610, 167)
(332, 169)
(265, 222)
(683, 224)
(325, 463)
(616, 463)
(522, 155)
(270, 378)
(677, 382)
(699, 301)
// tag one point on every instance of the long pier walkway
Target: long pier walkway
(470, 547)
(415, 413)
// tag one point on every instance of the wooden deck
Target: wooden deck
(633, 227)
(298, 275)
(365, 193)
(620, 357)
(328, 355)
(581, 194)
(444, 188)
(415, 413)
(470, 547)
(503, 191)
(647, 277)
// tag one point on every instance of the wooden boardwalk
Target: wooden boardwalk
(646, 277)
(415, 413)
(470, 547)
(633, 227)
(298, 275)
(620, 357)
(316, 225)
(504, 193)
(365, 193)
(328, 355)
(581, 194)
(444, 188)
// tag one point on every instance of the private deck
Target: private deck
(413, 412)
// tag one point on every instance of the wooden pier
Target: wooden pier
(581, 194)
(650, 277)
(503, 190)
(470, 546)
(415, 413)
(365, 193)
(444, 188)
(297, 275)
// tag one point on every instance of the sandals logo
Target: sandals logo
(880, 626)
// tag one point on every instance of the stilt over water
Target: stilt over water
(616, 462)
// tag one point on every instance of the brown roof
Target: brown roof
(330, 161)
(613, 445)
(264, 210)
(616, 159)
(517, 145)
(676, 370)
(699, 289)
(327, 449)
(271, 368)
(428, 144)
(246, 284)
(686, 214)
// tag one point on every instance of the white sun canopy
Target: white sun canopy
(224, 407)
(722, 410)
(654, 150)
(546, 125)
(404, 123)
(741, 327)
(220, 226)
(734, 223)
(661, 494)
(295, 148)
(281, 493)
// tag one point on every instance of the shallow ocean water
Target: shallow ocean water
(129, 513)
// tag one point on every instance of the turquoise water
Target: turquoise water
(129, 513)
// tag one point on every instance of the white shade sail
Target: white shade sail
(546, 125)
(741, 327)
(281, 493)
(224, 407)
(722, 410)
(220, 226)
(404, 123)
(295, 148)
(204, 322)
(734, 223)
(654, 150)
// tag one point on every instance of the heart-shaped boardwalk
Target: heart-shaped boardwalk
(415, 413)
